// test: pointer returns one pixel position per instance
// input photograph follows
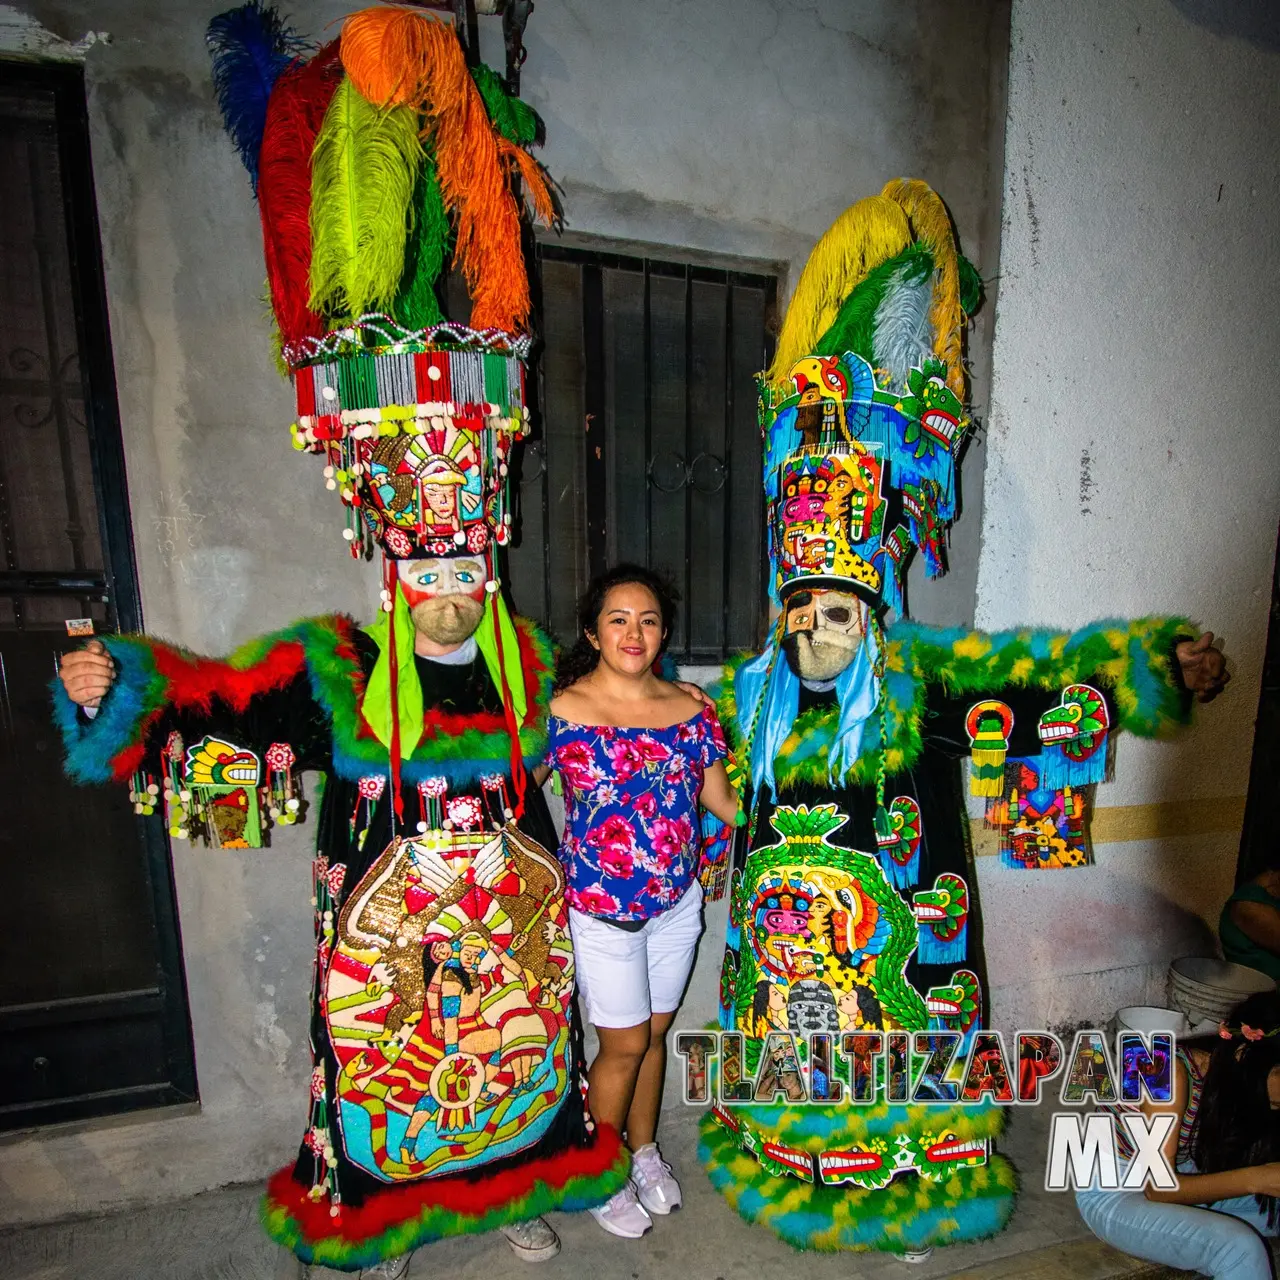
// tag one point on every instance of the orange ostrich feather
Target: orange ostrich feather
(400, 57)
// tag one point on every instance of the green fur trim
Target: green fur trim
(1134, 661)
(434, 1223)
(815, 1129)
(448, 746)
(154, 675)
(911, 1213)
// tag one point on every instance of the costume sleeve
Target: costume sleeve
(713, 744)
(1132, 665)
(261, 695)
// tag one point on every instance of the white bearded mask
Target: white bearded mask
(824, 630)
(445, 596)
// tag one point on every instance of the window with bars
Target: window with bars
(646, 447)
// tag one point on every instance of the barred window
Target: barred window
(645, 447)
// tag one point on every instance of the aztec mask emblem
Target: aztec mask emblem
(942, 914)
(223, 782)
(898, 838)
(935, 416)
(956, 1007)
(1078, 724)
(824, 630)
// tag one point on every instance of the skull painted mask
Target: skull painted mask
(823, 632)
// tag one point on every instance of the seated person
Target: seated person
(1250, 925)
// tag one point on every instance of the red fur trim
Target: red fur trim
(124, 764)
(195, 682)
(396, 1204)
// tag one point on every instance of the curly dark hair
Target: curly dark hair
(1235, 1126)
(581, 658)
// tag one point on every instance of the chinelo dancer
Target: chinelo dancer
(446, 1094)
(853, 903)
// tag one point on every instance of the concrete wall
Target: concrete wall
(1132, 446)
(735, 126)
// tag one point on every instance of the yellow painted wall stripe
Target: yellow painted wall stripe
(1164, 820)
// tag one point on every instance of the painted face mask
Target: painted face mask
(445, 596)
(824, 630)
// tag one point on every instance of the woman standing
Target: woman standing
(637, 756)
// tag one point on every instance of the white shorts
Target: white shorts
(624, 976)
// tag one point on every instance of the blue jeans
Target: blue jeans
(1223, 1240)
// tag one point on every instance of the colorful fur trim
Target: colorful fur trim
(817, 1128)
(152, 675)
(400, 1219)
(909, 1214)
(1134, 660)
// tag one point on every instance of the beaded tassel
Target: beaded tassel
(283, 800)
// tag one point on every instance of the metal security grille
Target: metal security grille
(93, 1016)
(646, 448)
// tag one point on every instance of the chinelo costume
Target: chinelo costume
(853, 904)
(447, 1093)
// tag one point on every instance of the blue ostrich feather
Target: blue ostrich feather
(250, 47)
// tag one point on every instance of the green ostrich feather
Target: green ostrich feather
(363, 172)
(1134, 661)
(516, 120)
(814, 1128)
(971, 290)
(436, 1222)
(416, 305)
(854, 326)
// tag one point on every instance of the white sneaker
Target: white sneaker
(621, 1215)
(533, 1241)
(391, 1269)
(656, 1189)
(915, 1256)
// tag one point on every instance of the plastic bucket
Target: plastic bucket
(1207, 990)
(1148, 1019)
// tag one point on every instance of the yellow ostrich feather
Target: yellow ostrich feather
(861, 238)
(931, 223)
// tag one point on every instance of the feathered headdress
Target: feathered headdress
(378, 162)
(863, 417)
(863, 408)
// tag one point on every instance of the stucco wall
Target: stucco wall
(736, 126)
(1132, 445)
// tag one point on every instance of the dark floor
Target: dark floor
(217, 1237)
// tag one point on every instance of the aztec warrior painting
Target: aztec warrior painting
(448, 1093)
